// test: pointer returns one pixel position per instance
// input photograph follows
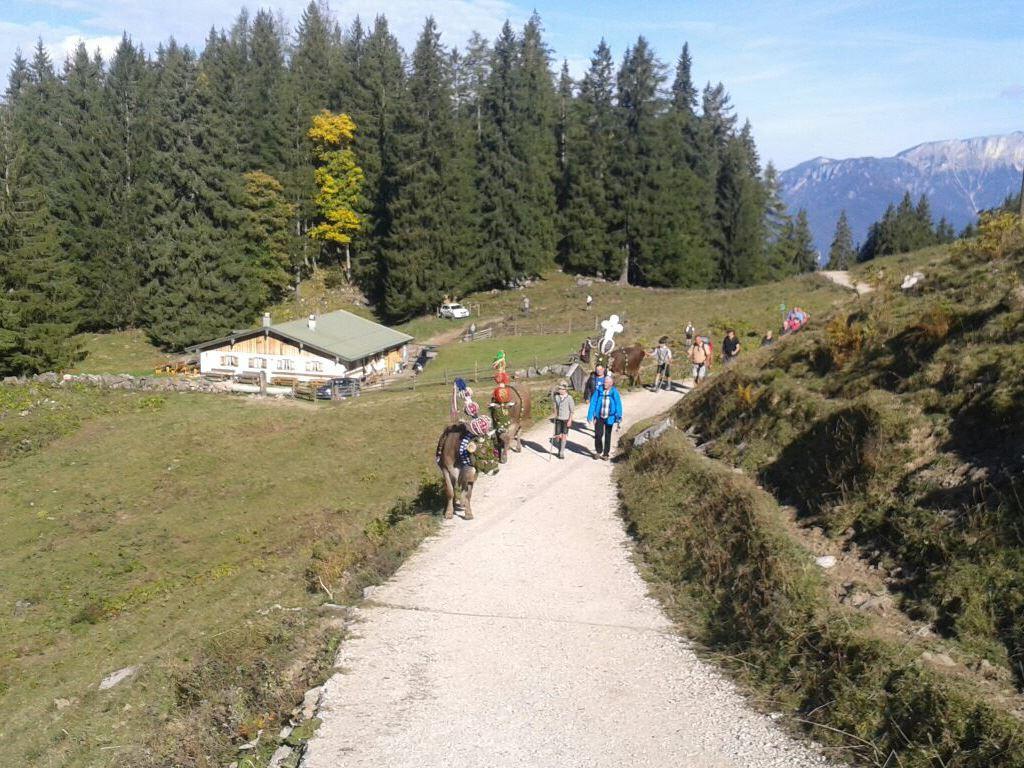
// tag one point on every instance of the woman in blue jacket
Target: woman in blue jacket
(605, 412)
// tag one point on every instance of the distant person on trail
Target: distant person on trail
(563, 405)
(730, 347)
(689, 332)
(593, 382)
(767, 340)
(526, 305)
(590, 302)
(700, 357)
(663, 357)
(605, 411)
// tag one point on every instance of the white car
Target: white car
(453, 311)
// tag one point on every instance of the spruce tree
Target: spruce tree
(38, 296)
(588, 218)
(430, 248)
(841, 254)
(535, 143)
(127, 96)
(805, 255)
(740, 205)
(501, 177)
(639, 104)
(265, 234)
(85, 200)
(197, 282)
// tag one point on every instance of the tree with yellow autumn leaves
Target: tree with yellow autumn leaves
(339, 181)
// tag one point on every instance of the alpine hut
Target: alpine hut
(317, 348)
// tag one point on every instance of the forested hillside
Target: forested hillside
(174, 190)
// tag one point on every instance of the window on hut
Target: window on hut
(314, 366)
(229, 361)
(257, 362)
(284, 365)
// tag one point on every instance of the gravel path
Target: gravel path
(842, 277)
(525, 638)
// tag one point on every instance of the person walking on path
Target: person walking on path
(563, 405)
(593, 382)
(690, 331)
(590, 302)
(605, 411)
(768, 339)
(730, 347)
(526, 305)
(699, 357)
(663, 357)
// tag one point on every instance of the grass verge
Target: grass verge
(716, 549)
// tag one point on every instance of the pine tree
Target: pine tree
(197, 283)
(501, 177)
(127, 97)
(263, 88)
(38, 297)
(471, 80)
(740, 205)
(265, 232)
(430, 250)
(639, 104)
(379, 143)
(588, 219)
(805, 255)
(535, 142)
(84, 200)
(841, 254)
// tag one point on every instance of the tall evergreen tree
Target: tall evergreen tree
(197, 284)
(85, 202)
(38, 296)
(501, 169)
(639, 105)
(127, 97)
(430, 247)
(588, 218)
(535, 141)
(841, 254)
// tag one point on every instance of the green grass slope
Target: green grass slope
(894, 429)
(161, 532)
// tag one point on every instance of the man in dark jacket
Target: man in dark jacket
(594, 382)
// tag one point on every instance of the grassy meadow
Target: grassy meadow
(159, 532)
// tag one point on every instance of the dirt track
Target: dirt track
(525, 638)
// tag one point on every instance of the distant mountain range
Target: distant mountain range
(961, 177)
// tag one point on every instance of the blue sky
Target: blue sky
(842, 78)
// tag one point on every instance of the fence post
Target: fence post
(445, 375)
(476, 373)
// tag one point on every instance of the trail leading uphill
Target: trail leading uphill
(525, 638)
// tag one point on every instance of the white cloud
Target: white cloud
(105, 44)
(100, 23)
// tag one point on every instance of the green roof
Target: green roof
(341, 333)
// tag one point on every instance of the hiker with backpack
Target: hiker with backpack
(663, 357)
(700, 358)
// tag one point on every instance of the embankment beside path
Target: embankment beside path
(722, 559)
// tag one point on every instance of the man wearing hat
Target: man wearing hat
(562, 404)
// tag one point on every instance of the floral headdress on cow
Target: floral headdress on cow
(470, 415)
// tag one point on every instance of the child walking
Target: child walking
(563, 405)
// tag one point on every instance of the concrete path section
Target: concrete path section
(525, 638)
